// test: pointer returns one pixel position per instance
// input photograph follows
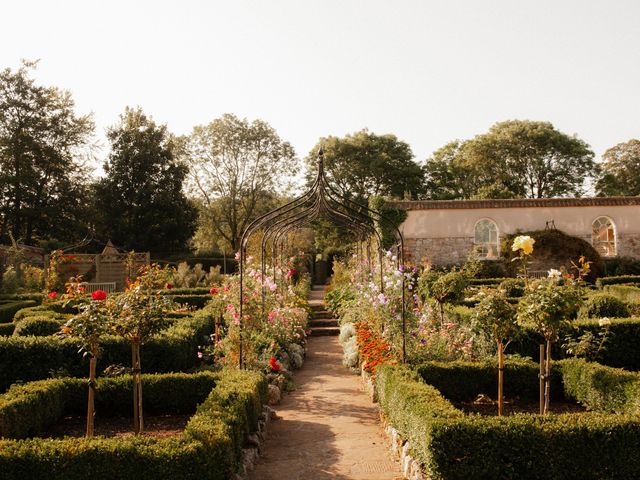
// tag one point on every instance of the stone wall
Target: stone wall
(439, 251)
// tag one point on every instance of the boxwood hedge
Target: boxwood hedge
(209, 448)
(9, 309)
(173, 350)
(451, 445)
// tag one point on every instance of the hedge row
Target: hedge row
(8, 310)
(620, 349)
(622, 279)
(36, 297)
(34, 358)
(209, 448)
(188, 291)
(196, 301)
(26, 410)
(454, 446)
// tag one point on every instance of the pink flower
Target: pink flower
(99, 295)
(200, 355)
(52, 295)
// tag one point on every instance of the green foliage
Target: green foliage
(621, 266)
(41, 326)
(620, 171)
(547, 305)
(496, 316)
(603, 305)
(219, 155)
(172, 350)
(43, 179)
(443, 287)
(140, 203)
(9, 310)
(516, 158)
(394, 215)
(6, 329)
(451, 445)
(36, 297)
(512, 287)
(187, 291)
(195, 301)
(600, 388)
(364, 164)
(208, 449)
(619, 280)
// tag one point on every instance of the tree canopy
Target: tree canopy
(620, 170)
(515, 158)
(364, 164)
(44, 146)
(237, 168)
(140, 204)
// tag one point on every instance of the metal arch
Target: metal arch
(320, 201)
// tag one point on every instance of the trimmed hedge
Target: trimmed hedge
(26, 410)
(6, 329)
(603, 305)
(8, 310)
(209, 448)
(619, 280)
(453, 446)
(36, 297)
(620, 350)
(188, 291)
(173, 350)
(487, 281)
(196, 301)
(37, 326)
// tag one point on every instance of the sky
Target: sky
(427, 71)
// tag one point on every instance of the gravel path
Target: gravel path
(329, 429)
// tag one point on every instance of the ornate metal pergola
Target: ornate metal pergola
(321, 201)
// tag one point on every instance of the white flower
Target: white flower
(553, 273)
(604, 322)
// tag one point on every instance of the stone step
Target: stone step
(325, 331)
(322, 314)
(323, 322)
(318, 307)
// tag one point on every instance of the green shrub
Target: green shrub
(626, 293)
(513, 287)
(487, 281)
(621, 266)
(6, 329)
(187, 291)
(196, 301)
(451, 445)
(36, 297)
(8, 310)
(174, 349)
(207, 450)
(602, 305)
(620, 280)
(39, 326)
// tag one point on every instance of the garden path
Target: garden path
(328, 429)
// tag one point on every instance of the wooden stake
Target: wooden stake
(500, 377)
(547, 379)
(92, 391)
(140, 415)
(541, 375)
(134, 363)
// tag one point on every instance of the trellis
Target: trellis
(321, 201)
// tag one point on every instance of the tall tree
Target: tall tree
(364, 164)
(140, 203)
(620, 171)
(516, 158)
(44, 146)
(237, 167)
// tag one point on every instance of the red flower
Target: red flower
(213, 291)
(81, 289)
(291, 273)
(99, 295)
(273, 363)
(52, 295)
(168, 286)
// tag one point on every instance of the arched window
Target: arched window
(603, 236)
(486, 239)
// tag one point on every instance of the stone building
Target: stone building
(446, 231)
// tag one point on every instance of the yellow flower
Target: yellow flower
(524, 243)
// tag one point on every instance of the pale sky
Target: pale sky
(427, 71)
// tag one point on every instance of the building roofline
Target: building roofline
(515, 203)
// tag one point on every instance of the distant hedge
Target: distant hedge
(619, 280)
(8, 310)
(209, 448)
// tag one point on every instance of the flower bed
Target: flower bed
(209, 448)
(452, 445)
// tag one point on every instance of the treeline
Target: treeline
(162, 192)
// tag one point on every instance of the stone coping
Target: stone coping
(515, 203)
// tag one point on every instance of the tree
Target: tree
(516, 158)
(364, 164)
(620, 171)
(140, 204)
(43, 148)
(237, 169)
